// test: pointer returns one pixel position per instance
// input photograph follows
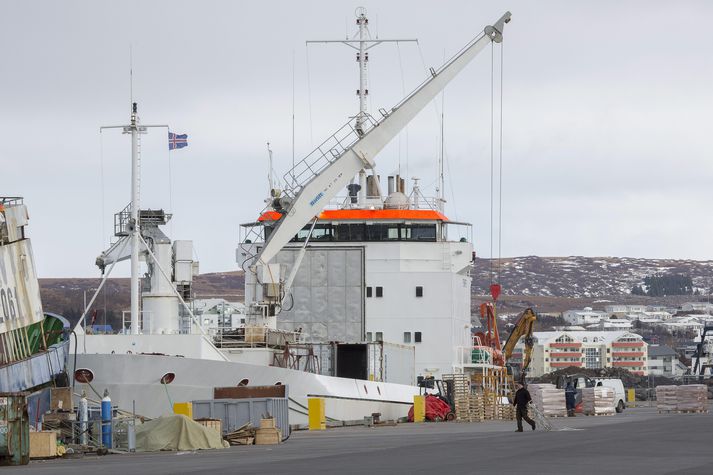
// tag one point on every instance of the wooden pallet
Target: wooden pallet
(594, 414)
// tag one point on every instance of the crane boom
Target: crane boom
(523, 328)
(311, 197)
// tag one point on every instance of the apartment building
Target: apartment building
(555, 350)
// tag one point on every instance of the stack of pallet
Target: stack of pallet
(244, 435)
(666, 398)
(548, 399)
(470, 408)
(505, 412)
(598, 401)
(692, 398)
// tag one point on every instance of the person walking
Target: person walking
(570, 395)
(522, 398)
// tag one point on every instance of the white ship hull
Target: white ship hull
(135, 379)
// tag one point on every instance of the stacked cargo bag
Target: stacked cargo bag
(666, 398)
(548, 399)
(692, 397)
(598, 401)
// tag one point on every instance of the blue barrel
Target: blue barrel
(106, 420)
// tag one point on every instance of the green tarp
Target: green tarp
(176, 432)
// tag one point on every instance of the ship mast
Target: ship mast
(362, 42)
(133, 129)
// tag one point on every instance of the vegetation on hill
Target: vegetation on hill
(661, 285)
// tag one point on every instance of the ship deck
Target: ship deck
(638, 440)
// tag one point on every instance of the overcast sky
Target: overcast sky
(606, 109)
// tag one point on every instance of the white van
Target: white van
(618, 387)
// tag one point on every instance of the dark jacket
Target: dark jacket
(522, 397)
(570, 395)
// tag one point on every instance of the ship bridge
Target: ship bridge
(369, 225)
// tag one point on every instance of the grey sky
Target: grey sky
(607, 142)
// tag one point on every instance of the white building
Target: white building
(586, 316)
(620, 310)
(663, 361)
(613, 324)
(698, 306)
(683, 324)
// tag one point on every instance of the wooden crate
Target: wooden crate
(61, 399)
(267, 437)
(268, 423)
(215, 424)
(43, 444)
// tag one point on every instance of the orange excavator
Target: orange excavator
(491, 338)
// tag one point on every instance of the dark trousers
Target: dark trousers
(520, 414)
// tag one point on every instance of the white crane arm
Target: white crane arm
(324, 185)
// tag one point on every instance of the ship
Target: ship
(355, 289)
(34, 345)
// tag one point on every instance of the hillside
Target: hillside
(549, 284)
(584, 277)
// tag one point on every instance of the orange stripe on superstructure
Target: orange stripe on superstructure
(368, 214)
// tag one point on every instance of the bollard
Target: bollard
(185, 408)
(630, 396)
(419, 408)
(315, 409)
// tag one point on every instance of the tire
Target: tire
(620, 407)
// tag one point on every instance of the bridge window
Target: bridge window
(368, 292)
(407, 337)
(379, 291)
(321, 232)
(349, 232)
(417, 337)
(418, 232)
(419, 291)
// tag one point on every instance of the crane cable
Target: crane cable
(500, 186)
(497, 262)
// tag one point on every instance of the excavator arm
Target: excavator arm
(523, 328)
(341, 161)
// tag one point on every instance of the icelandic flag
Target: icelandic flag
(177, 141)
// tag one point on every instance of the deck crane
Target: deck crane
(314, 181)
(523, 329)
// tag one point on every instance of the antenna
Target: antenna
(269, 170)
(293, 113)
(131, 76)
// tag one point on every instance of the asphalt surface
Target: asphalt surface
(638, 441)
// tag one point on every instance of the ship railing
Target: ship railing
(121, 221)
(10, 201)
(474, 355)
(126, 321)
(255, 337)
(325, 154)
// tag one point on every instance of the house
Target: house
(555, 350)
(613, 324)
(663, 361)
(706, 307)
(621, 310)
(586, 316)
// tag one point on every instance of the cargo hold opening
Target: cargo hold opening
(352, 361)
